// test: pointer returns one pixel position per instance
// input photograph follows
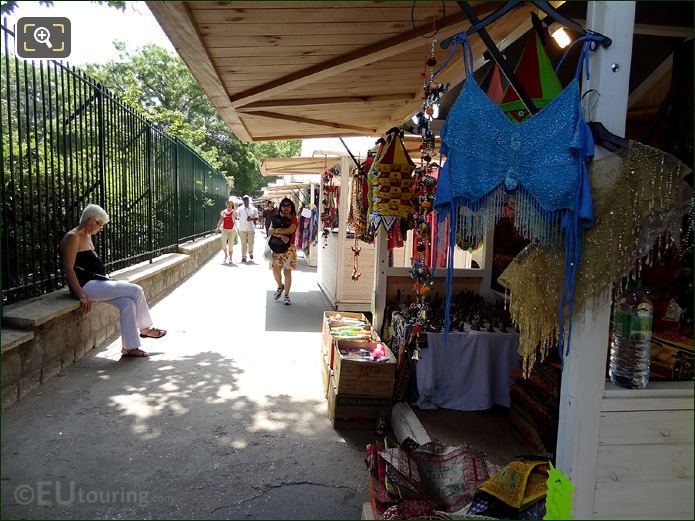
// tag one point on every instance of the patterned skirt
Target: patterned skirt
(287, 260)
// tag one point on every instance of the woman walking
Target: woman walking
(284, 263)
(226, 226)
(88, 281)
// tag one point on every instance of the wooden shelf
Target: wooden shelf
(440, 273)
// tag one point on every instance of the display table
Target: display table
(472, 372)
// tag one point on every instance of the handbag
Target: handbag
(276, 244)
(267, 252)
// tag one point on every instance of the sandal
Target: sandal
(158, 333)
(135, 352)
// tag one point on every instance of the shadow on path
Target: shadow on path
(227, 421)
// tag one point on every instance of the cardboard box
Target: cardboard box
(327, 344)
(364, 378)
(356, 412)
(326, 373)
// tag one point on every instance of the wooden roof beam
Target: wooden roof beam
(294, 163)
(176, 21)
(382, 50)
(504, 32)
(299, 135)
(668, 31)
(287, 103)
(317, 122)
(654, 77)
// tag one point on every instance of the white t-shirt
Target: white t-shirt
(243, 223)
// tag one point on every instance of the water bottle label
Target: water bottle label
(641, 324)
(621, 323)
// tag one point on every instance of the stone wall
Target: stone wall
(41, 336)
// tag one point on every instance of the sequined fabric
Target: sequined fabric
(539, 159)
(542, 161)
(639, 199)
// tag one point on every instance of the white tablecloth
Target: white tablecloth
(472, 372)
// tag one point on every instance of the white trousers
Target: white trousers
(246, 242)
(130, 301)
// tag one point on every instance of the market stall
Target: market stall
(331, 250)
(625, 451)
(307, 194)
(336, 255)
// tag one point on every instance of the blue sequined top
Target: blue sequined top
(543, 160)
(484, 150)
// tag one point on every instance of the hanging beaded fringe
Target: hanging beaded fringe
(531, 220)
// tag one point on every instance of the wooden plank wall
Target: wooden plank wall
(328, 266)
(361, 290)
(645, 459)
(405, 285)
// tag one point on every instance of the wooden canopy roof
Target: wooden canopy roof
(292, 186)
(296, 165)
(278, 70)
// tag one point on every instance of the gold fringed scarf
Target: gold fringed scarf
(639, 197)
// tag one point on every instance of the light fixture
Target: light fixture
(558, 33)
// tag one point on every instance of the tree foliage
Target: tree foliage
(11, 5)
(160, 84)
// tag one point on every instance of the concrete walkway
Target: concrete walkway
(227, 419)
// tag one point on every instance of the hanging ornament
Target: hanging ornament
(392, 193)
(329, 202)
(355, 263)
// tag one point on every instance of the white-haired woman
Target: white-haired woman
(88, 281)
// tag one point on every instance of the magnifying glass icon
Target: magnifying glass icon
(43, 35)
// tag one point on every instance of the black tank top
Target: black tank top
(88, 266)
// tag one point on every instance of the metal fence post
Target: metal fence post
(176, 190)
(101, 140)
(150, 202)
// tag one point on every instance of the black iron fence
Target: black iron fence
(66, 142)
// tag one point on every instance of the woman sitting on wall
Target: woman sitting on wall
(88, 281)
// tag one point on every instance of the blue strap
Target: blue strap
(591, 41)
(450, 272)
(574, 233)
(459, 39)
(435, 243)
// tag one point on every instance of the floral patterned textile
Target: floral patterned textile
(447, 476)
(287, 260)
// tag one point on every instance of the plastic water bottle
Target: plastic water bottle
(631, 339)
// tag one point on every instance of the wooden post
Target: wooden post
(320, 254)
(381, 266)
(313, 250)
(583, 378)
